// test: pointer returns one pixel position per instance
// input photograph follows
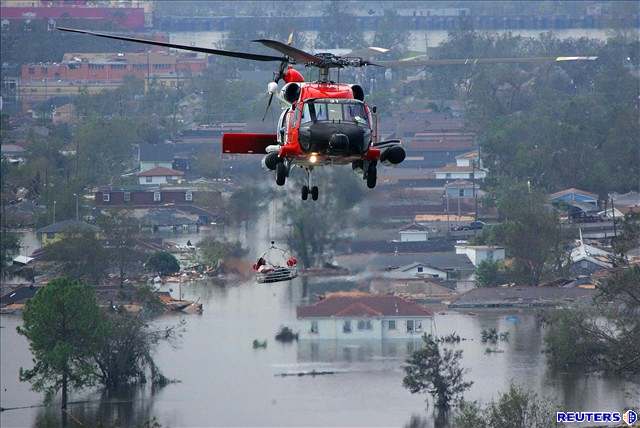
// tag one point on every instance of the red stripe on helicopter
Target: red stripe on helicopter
(247, 143)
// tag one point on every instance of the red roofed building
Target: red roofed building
(363, 316)
(159, 175)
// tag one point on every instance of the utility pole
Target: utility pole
(77, 216)
(54, 211)
(473, 181)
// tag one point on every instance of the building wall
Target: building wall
(442, 175)
(140, 197)
(332, 328)
(413, 236)
(478, 255)
(467, 192)
(154, 180)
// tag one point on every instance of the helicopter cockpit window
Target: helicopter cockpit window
(306, 114)
(334, 112)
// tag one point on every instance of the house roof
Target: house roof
(363, 306)
(457, 168)
(459, 184)
(469, 155)
(65, 225)
(160, 171)
(521, 295)
(572, 191)
(415, 226)
(11, 148)
(18, 295)
(155, 152)
(448, 260)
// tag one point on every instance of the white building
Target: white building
(414, 232)
(467, 167)
(159, 175)
(479, 253)
(363, 316)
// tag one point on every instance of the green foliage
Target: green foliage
(591, 338)
(560, 126)
(105, 149)
(163, 263)
(213, 251)
(207, 164)
(338, 30)
(516, 408)
(390, 34)
(80, 254)
(124, 353)
(9, 246)
(316, 228)
(491, 273)
(246, 203)
(530, 232)
(50, 45)
(436, 372)
(628, 237)
(62, 324)
(122, 232)
(227, 100)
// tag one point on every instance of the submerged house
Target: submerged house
(587, 259)
(64, 229)
(363, 316)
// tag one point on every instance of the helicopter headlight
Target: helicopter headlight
(313, 158)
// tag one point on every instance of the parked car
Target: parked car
(474, 225)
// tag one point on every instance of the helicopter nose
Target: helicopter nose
(335, 138)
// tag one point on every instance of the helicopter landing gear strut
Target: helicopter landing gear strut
(308, 189)
(371, 174)
(282, 172)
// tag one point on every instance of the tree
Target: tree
(490, 273)
(530, 232)
(213, 251)
(338, 30)
(124, 355)
(122, 232)
(436, 372)
(628, 237)
(62, 325)
(9, 246)
(163, 263)
(516, 408)
(590, 338)
(80, 254)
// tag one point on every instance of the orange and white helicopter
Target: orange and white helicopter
(324, 122)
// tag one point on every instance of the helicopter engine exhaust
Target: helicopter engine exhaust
(270, 161)
(393, 155)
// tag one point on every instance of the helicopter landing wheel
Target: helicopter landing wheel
(281, 173)
(372, 176)
(305, 192)
(314, 193)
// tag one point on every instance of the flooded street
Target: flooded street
(224, 382)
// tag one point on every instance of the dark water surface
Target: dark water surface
(224, 382)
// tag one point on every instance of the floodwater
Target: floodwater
(224, 382)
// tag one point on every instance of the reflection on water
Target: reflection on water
(226, 382)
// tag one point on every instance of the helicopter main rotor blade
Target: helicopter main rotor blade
(268, 106)
(413, 62)
(243, 55)
(297, 54)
